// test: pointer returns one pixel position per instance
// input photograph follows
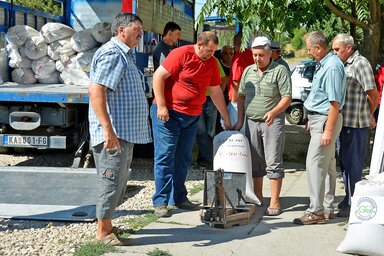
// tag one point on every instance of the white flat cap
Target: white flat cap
(260, 41)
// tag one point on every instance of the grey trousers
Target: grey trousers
(320, 163)
(267, 147)
(112, 172)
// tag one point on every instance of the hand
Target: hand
(326, 138)
(111, 141)
(227, 124)
(269, 118)
(238, 126)
(162, 113)
(308, 127)
(373, 122)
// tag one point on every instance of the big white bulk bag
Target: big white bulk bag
(43, 67)
(23, 76)
(84, 60)
(52, 32)
(366, 221)
(54, 78)
(101, 31)
(76, 77)
(61, 49)
(83, 40)
(3, 65)
(19, 34)
(35, 48)
(232, 153)
(15, 58)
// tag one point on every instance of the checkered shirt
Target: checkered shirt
(113, 66)
(360, 79)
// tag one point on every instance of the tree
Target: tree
(283, 16)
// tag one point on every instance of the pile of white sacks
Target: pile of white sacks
(56, 54)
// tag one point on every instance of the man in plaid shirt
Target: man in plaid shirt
(360, 104)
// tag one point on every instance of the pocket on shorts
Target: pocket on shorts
(317, 123)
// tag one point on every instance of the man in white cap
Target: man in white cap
(264, 94)
(276, 54)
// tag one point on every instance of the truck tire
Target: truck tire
(295, 114)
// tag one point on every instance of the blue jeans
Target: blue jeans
(353, 146)
(206, 131)
(173, 141)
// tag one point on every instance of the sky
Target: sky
(198, 5)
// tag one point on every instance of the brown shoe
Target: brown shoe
(310, 218)
(328, 215)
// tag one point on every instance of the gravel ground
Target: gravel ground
(23, 237)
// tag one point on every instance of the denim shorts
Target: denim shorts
(112, 174)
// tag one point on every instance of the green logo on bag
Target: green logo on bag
(366, 209)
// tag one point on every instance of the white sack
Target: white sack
(83, 40)
(15, 58)
(75, 76)
(232, 153)
(52, 32)
(22, 51)
(84, 60)
(101, 31)
(23, 76)
(61, 49)
(61, 65)
(44, 67)
(35, 48)
(53, 79)
(3, 65)
(364, 237)
(19, 34)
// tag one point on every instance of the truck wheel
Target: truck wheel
(295, 114)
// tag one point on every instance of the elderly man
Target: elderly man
(180, 85)
(264, 95)
(118, 118)
(324, 104)
(276, 54)
(360, 104)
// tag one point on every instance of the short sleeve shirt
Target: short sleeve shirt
(329, 84)
(360, 79)
(160, 52)
(263, 93)
(185, 90)
(113, 66)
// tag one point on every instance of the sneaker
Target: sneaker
(344, 212)
(188, 205)
(328, 215)
(162, 211)
(310, 218)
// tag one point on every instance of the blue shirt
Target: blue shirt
(329, 84)
(113, 66)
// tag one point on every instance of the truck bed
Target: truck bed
(46, 93)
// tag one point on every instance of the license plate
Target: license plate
(19, 140)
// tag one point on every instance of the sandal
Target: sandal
(113, 240)
(273, 211)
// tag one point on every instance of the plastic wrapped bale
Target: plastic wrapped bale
(44, 67)
(35, 48)
(83, 40)
(52, 32)
(366, 221)
(19, 34)
(75, 76)
(15, 58)
(61, 49)
(84, 60)
(101, 31)
(23, 76)
(53, 79)
(232, 153)
(61, 65)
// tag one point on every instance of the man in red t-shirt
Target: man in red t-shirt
(241, 60)
(180, 85)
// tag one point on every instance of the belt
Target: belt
(317, 113)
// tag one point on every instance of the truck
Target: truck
(54, 116)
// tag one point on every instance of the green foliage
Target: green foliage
(139, 222)
(93, 249)
(298, 40)
(50, 6)
(196, 189)
(158, 252)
